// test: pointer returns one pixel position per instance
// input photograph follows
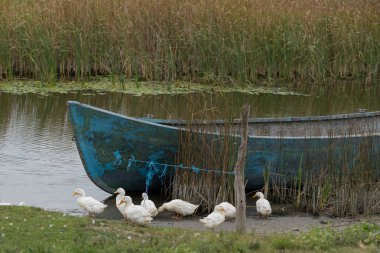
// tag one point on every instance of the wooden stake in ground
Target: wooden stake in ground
(239, 183)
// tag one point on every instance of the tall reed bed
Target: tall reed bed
(224, 41)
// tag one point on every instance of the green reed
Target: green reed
(198, 40)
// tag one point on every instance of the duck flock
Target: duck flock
(144, 213)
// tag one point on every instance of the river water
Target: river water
(39, 163)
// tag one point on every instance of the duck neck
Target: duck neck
(260, 195)
(118, 203)
(118, 197)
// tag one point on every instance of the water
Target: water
(39, 163)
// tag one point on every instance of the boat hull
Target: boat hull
(106, 140)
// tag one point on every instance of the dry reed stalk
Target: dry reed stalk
(204, 150)
(204, 146)
(340, 183)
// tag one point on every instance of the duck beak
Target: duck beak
(74, 193)
(254, 196)
(115, 192)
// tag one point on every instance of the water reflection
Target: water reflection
(39, 163)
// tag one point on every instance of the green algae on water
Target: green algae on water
(136, 88)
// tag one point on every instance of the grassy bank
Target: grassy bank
(199, 40)
(24, 229)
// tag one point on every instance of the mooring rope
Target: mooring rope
(155, 168)
(179, 166)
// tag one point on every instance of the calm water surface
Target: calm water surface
(39, 163)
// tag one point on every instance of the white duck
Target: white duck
(120, 193)
(149, 205)
(180, 207)
(215, 218)
(229, 209)
(121, 207)
(135, 213)
(262, 205)
(91, 205)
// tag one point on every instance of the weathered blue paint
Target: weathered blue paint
(130, 136)
(100, 133)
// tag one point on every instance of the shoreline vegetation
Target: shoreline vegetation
(28, 229)
(138, 87)
(198, 41)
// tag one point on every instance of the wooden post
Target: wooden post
(239, 183)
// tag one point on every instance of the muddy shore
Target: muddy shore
(284, 219)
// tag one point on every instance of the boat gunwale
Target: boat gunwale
(164, 122)
(333, 117)
(141, 120)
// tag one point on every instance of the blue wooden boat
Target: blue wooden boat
(121, 151)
